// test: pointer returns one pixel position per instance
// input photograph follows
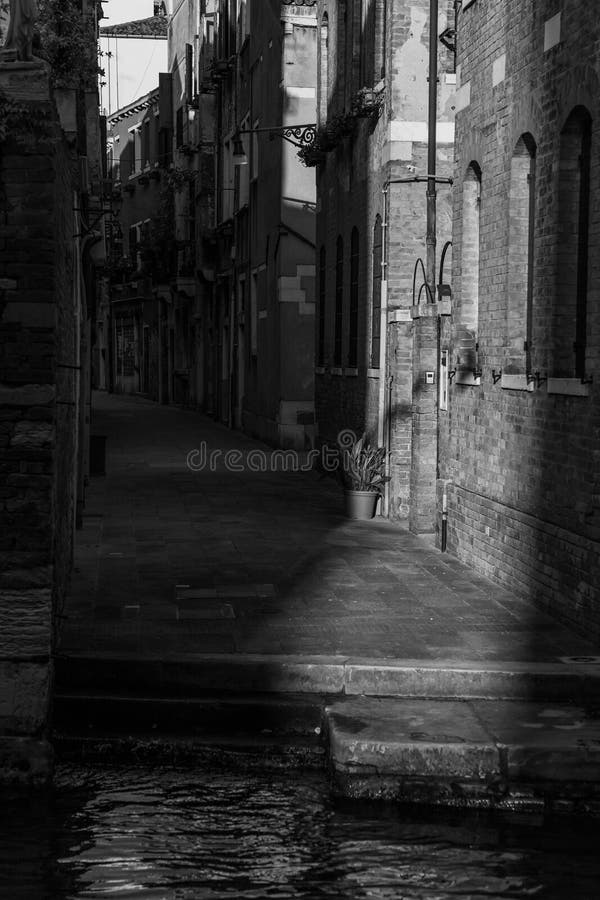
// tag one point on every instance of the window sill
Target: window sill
(466, 377)
(373, 373)
(320, 370)
(516, 383)
(351, 371)
(335, 370)
(571, 387)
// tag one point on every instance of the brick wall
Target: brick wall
(38, 417)
(520, 446)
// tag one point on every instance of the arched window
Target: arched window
(521, 203)
(569, 320)
(373, 43)
(468, 308)
(321, 311)
(340, 56)
(353, 324)
(355, 46)
(323, 84)
(380, 37)
(376, 298)
(339, 302)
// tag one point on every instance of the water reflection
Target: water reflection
(163, 833)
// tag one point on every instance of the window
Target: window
(128, 157)
(321, 309)
(133, 245)
(323, 84)
(145, 158)
(354, 268)
(355, 44)
(189, 71)
(467, 323)
(380, 43)
(179, 127)
(376, 298)
(367, 43)
(253, 315)
(339, 302)
(254, 161)
(569, 323)
(165, 146)
(521, 202)
(340, 57)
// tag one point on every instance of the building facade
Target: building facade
(141, 245)
(264, 72)
(376, 325)
(519, 461)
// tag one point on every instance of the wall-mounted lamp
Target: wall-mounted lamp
(496, 375)
(239, 154)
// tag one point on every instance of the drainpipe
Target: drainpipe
(432, 145)
(444, 536)
(384, 409)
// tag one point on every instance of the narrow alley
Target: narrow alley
(172, 560)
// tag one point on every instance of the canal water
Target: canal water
(179, 834)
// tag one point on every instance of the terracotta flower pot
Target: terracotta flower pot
(360, 504)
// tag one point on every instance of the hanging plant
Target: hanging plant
(327, 138)
(367, 103)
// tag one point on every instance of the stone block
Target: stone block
(440, 739)
(27, 395)
(25, 621)
(33, 434)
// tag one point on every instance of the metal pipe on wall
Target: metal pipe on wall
(432, 145)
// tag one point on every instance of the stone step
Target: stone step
(490, 753)
(194, 674)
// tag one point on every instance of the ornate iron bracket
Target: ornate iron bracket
(448, 39)
(298, 135)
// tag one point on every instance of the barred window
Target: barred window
(353, 324)
(569, 321)
(376, 297)
(339, 302)
(321, 310)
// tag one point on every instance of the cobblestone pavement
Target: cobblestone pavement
(171, 560)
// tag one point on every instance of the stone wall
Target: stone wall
(519, 445)
(38, 402)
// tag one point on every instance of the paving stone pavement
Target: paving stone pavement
(223, 560)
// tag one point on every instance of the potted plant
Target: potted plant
(363, 474)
